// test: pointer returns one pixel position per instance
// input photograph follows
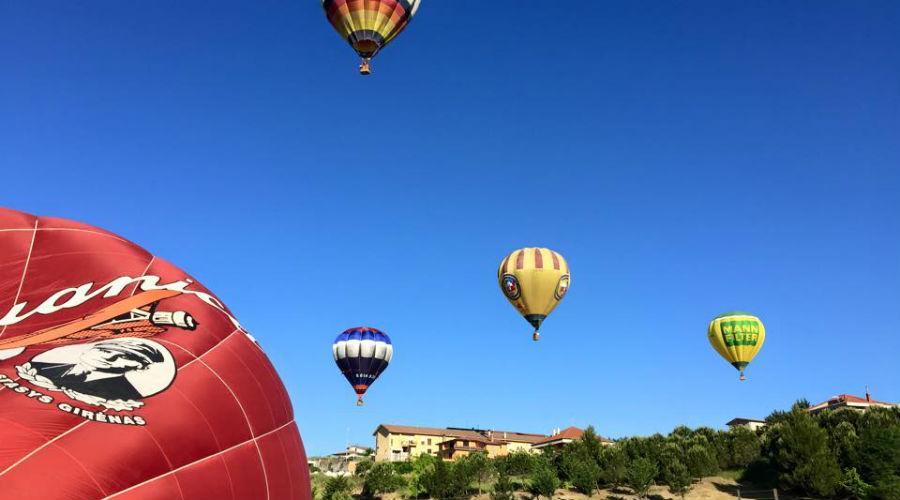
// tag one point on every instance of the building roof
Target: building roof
(742, 420)
(488, 436)
(565, 435)
(848, 400)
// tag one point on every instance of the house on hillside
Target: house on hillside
(395, 443)
(750, 423)
(560, 438)
(849, 401)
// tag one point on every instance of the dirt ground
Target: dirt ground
(715, 488)
(708, 489)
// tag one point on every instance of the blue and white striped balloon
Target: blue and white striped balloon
(362, 353)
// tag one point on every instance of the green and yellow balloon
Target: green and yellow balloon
(737, 336)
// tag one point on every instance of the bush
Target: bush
(700, 461)
(803, 459)
(363, 466)
(381, 478)
(640, 476)
(677, 478)
(543, 481)
(613, 465)
(852, 485)
(337, 488)
(584, 476)
(503, 488)
(445, 480)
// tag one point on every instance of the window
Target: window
(429, 441)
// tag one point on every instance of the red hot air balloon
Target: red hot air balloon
(123, 378)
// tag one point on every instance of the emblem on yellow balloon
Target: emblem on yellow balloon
(737, 337)
(534, 280)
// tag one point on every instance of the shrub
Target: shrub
(584, 476)
(640, 476)
(381, 478)
(337, 488)
(677, 478)
(543, 481)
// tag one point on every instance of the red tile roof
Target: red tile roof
(569, 433)
(847, 400)
(486, 436)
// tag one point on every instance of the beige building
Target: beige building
(402, 442)
(749, 423)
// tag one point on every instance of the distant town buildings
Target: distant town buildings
(402, 442)
(841, 401)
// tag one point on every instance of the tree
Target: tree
(743, 447)
(543, 481)
(640, 476)
(853, 486)
(381, 478)
(700, 461)
(802, 456)
(613, 465)
(584, 476)
(478, 468)
(677, 478)
(442, 481)
(337, 488)
(363, 466)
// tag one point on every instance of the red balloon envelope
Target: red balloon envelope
(121, 377)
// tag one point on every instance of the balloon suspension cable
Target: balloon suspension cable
(743, 378)
(364, 68)
(536, 336)
(359, 402)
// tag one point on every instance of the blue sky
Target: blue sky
(687, 158)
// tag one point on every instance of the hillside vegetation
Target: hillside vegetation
(836, 454)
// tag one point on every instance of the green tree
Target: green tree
(478, 468)
(381, 478)
(337, 488)
(743, 447)
(503, 488)
(639, 478)
(584, 476)
(613, 465)
(543, 480)
(441, 481)
(677, 478)
(700, 461)
(852, 485)
(363, 466)
(802, 456)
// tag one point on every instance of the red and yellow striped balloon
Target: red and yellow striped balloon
(534, 280)
(369, 25)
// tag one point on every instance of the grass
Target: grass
(733, 474)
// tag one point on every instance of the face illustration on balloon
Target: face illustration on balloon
(116, 374)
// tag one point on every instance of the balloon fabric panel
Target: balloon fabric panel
(168, 399)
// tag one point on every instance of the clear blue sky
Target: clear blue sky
(688, 158)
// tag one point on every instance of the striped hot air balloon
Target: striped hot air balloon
(534, 280)
(362, 354)
(737, 337)
(369, 25)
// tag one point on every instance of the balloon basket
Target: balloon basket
(743, 378)
(359, 402)
(364, 68)
(536, 336)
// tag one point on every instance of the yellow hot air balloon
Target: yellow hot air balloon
(534, 280)
(737, 336)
